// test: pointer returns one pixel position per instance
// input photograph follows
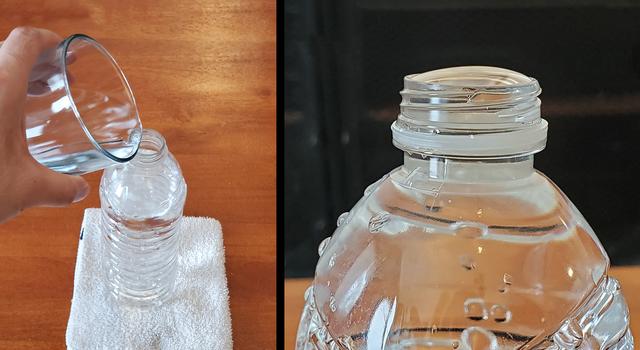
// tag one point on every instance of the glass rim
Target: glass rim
(65, 47)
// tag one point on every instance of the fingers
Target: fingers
(19, 53)
(46, 187)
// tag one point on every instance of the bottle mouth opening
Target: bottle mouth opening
(152, 146)
(484, 77)
(470, 87)
(473, 111)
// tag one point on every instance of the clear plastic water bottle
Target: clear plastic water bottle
(466, 245)
(142, 203)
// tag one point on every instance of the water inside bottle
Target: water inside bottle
(466, 273)
(142, 203)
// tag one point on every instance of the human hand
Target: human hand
(24, 182)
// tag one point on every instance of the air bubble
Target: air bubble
(332, 303)
(469, 229)
(342, 218)
(378, 221)
(478, 338)
(500, 313)
(468, 263)
(323, 246)
(479, 212)
(332, 260)
(475, 309)
(507, 280)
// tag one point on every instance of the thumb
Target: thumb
(50, 188)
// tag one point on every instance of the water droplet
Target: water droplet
(479, 212)
(500, 313)
(467, 262)
(323, 246)
(379, 220)
(434, 329)
(436, 131)
(469, 229)
(332, 303)
(475, 309)
(478, 338)
(342, 218)
(455, 344)
(332, 260)
(507, 280)
(449, 201)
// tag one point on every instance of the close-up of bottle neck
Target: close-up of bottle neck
(153, 149)
(471, 112)
(448, 169)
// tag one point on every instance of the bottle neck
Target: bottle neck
(470, 112)
(464, 170)
(152, 149)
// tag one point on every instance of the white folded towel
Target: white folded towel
(196, 317)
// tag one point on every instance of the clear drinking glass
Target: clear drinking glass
(80, 113)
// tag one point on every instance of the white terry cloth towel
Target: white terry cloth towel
(196, 317)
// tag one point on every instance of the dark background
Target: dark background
(344, 64)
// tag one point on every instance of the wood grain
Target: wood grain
(294, 289)
(203, 73)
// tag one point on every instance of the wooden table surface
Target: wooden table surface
(294, 289)
(203, 73)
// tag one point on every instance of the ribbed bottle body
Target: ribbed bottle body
(142, 203)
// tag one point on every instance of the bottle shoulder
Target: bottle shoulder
(413, 240)
(144, 190)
